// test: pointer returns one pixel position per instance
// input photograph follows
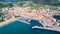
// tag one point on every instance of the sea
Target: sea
(18, 27)
(56, 17)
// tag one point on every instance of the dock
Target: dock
(47, 28)
(21, 19)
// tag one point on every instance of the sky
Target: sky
(59, 0)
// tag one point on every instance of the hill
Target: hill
(43, 2)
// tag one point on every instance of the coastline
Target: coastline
(7, 21)
(11, 20)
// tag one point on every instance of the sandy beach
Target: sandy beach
(7, 21)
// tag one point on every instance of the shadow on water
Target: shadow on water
(35, 23)
(56, 17)
(22, 28)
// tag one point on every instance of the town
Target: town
(40, 15)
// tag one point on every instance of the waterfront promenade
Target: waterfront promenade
(7, 21)
(12, 20)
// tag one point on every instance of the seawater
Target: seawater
(17, 27)
(56, 17)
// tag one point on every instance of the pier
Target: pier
(24, 19)
(47, 28)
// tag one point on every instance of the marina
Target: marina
(25, 20)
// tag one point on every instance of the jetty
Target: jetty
(24, 19)
(47, 28)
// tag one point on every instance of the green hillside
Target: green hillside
(34, 4)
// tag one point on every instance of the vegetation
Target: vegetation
(1, 13)
(17, 16)
(34, 4)
(5, 4)
(58, 21)
(1, 20)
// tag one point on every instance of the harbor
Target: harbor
(26, 15)
(18, 27)
(29, 16)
